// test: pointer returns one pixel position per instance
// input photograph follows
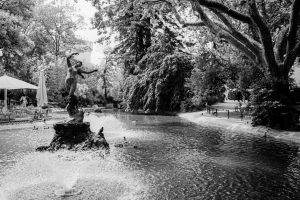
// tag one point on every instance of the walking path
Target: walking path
(235, 123)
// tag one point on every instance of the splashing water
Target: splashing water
(110, 123)
(42, 175)
(45, 175)
(2, 195)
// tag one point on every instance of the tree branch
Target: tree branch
(186, 24)
(290, 57)
(222, 8)
(180, 20)
(214, 29)
(253, 46)
(265, 37)
(263, 9)
(280, 45)
(223, 33)
(47, 30)
(292, 35)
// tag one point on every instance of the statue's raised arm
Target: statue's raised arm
(86, 72)
(80, 71)
(69, 59)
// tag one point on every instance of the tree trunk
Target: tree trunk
(273, 105)
(282, 115)
(280, 83)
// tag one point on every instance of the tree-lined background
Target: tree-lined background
(164, 56)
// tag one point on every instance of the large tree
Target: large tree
(265, 31)
(52, 30)
(148, 47)
(13, 42)
(123, 22)
(54, 27)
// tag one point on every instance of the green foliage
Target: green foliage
(206, 84)
(159, 84)
(159, 90)
(267, 111)
(155, 67)
(127, 20)
(13, 42)
(53, 28)
(22, 8)
(271, 108)
(91, 96)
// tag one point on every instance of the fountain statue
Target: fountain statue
(75, 134)
(71, 84)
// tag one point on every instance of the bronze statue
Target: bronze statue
(71, 85)
(73, 71)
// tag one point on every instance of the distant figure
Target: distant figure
(125, 142)
(73, 70)
(23, 101)
(45, 124)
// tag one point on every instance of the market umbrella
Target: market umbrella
(41, 95)
(9, 83)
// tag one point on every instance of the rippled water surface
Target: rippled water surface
(174, 159)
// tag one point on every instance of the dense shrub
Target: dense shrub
(206, 83)
(231, 95)
(270, 112)
(160, 89)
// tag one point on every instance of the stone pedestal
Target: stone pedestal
(75, 136)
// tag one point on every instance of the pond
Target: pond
(173, 159)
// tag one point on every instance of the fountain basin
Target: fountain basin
(75, 136)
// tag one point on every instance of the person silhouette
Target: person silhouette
(24, 101)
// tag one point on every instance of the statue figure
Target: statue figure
(71, 79)
(71, 85)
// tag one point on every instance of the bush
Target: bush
(270, 112)
(190, 106)
(212, 100)
(206, 83)
(158, 89)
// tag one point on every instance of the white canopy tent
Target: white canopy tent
(9, 83)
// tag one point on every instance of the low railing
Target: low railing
(236, 112)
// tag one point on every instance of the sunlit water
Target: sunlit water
(174, 159)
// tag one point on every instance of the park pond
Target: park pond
(166, 158)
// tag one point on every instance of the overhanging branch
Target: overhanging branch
(186, 24)
(280, 45)
(293, 25)
(253, 46)
(291, 56)
(181, 21)
(222, 8)
(265, 37)
(214, 29)
(223, 33)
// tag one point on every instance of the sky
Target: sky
(88, 33)
(296, 75)
(87, 11)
